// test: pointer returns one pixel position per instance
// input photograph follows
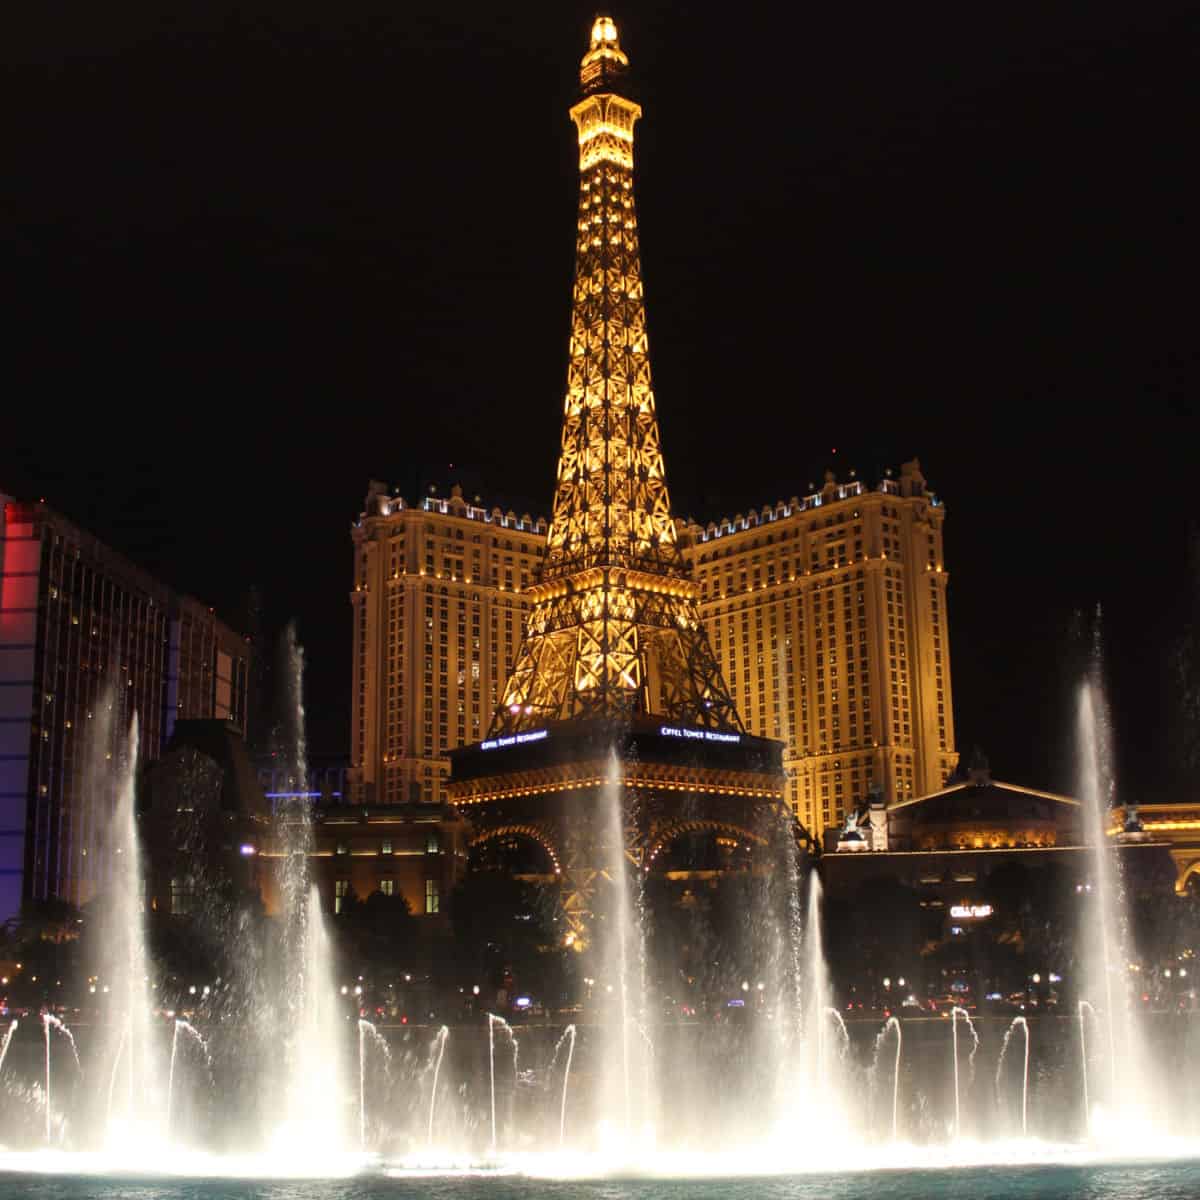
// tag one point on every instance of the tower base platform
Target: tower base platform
(588, 792)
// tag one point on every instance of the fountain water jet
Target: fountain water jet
(1087, 1111)
(569, 1032)
(8, 1037)
(312, 1054)
(493, 1021)
(840, 1023)
(440, 1042)
(892, 1024)
(626, 1093)
(50, 1021)
(1025, 1075)
(1131, 1093)
(133, 1115)
(181, 1026)
(367, 1030)
(955, 1013)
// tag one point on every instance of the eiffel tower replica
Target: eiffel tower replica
(614, 656)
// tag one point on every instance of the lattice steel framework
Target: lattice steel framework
(614, 629)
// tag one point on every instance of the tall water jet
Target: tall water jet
(626, 1115)
(955, 1013)
(492, 1073)
(368, 1035)
(440, 1047)
(818, 1081)
(314, 1083)
(8, 1037)
(1083, 1073)
(493, 1021)
(312, 1068)
(134, 1111)
(1017, 1021)
(49, 1022)
(892, 1024)
(1130, 1096)
(362, 1086)
(569, 1032)
(818, 990)
(185, 1027)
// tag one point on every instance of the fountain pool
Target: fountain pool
(1064, 1181)
(789, 1099)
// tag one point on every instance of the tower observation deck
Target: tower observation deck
(614, 655)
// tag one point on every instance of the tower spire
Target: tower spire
(605, 64)
(614, 630)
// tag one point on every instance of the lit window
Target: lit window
(341, 889)
(387, 887)
(431, 896)
(182, 895)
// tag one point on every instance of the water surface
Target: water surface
(1107, 1181)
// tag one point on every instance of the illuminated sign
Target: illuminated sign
(523, 1001)
(970, 912)
(516, 739)
(699, 735)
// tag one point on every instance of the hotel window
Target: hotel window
(431, 896)
(387, 887)
(181, 896)
(386, 848)
(341, 889)
(343, 848)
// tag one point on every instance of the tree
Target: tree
(500, 922)
(376, 935)
(44, 938)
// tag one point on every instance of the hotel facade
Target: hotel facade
(88, 639)
(439, 606)
(827, 615)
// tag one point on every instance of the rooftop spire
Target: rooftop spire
(605, 62)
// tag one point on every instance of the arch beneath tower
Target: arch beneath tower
(521, 848)
(557, 788)
(730, 845)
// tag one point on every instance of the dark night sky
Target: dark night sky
(259, 255)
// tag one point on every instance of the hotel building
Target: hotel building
(827, 615)
(828, 618)
(439, 604)
(87, 639)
